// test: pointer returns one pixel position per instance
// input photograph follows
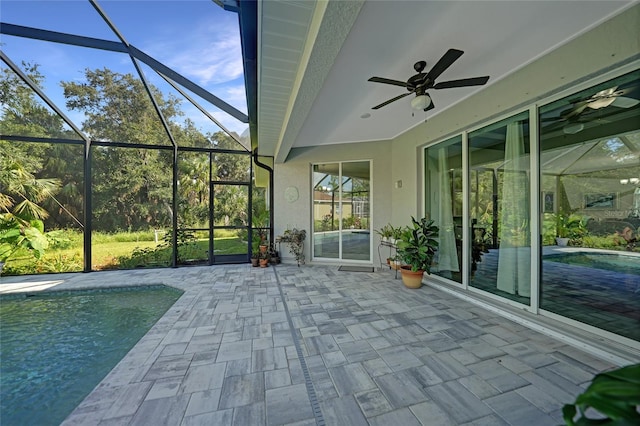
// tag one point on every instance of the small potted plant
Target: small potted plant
(396, 235)
(274, 254)
(255, 255)
(255, 251)
(568, 227)
(263, 259)
(386, 232)
(416, 249)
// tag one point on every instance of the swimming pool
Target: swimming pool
(56, 347)
(606, 261)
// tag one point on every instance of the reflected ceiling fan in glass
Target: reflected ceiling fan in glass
(593, 108)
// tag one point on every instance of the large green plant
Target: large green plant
(569, 226)
(16, 234)
(614, 394)
(418, 244)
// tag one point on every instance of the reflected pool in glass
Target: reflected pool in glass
(606, 261)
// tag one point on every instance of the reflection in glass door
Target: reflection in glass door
(590, 214)
(341, 219)
(500, 213)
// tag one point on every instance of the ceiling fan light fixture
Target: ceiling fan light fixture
(573, 128)
(601, 103)
(420, 102)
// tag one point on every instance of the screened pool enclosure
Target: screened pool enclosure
(117, 158)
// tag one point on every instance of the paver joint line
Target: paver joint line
(313, 399)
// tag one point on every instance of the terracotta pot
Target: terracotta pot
(264, 263)
(411, 279)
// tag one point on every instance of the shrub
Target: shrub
(59, 263)
(62, 239)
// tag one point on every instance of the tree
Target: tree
(230, 201)
(22, 113)
(131, 186)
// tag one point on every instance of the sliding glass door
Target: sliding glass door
(500, 219)
(341, 219)
(443, 165)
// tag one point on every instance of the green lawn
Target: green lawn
(108, 253)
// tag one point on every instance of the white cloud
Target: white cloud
(209, 54)
(237, 96)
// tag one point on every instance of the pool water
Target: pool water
(608, 262)
(55, 348)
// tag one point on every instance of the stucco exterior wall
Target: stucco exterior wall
(296, 171)
(612, 43)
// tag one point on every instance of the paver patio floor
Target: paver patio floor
(342, 348)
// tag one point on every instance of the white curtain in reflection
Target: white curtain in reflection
(447, 253)
(514, 261)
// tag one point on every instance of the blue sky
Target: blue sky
(198, 39)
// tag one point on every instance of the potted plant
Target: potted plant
(395, 262)
(396, 235)
(568, 227)
(263, 259)
(255, 254)
(386, 232)
(295, 238)
(416, 248)
(274, 255)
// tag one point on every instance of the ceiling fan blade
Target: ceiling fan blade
(445, 62)
(465, 82)
(388, 81)
(392, 100)
(577, 110)
(625, 102)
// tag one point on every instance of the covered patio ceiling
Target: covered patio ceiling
(314, 60)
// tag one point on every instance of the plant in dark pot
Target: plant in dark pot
(416, 249)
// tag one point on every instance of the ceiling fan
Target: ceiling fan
(421, 82)
(586, 109)
(601, 99)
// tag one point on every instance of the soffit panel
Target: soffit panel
(284, 30)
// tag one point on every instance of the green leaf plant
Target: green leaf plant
(418, 244)
(16, 234)
(615, 395)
